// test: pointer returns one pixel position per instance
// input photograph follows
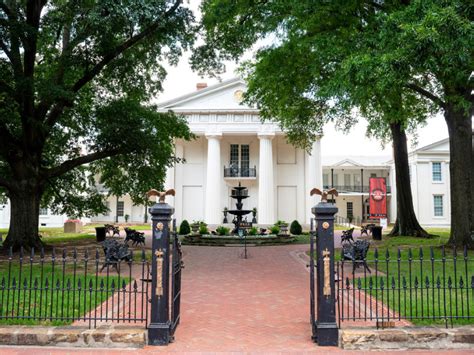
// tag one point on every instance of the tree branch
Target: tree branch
(436, 99)
(118, 50)
(85, 159)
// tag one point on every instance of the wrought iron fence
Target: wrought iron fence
(426, 285)
(64, 288)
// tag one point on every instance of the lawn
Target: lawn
(418, 280)
(55, 295)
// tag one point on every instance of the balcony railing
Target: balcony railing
(353, 188)
(234, 172)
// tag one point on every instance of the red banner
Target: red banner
(377, 198)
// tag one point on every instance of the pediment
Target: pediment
(347, 162)
(225, 96)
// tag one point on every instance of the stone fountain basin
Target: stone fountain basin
(239, 212)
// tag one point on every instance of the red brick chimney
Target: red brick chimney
(200, 86)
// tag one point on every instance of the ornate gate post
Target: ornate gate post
(327, 332)
(159, 327)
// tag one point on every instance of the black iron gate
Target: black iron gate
(177, 266)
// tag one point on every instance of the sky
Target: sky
(182, 80)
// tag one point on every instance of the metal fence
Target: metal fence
(69, 287)
(426, 285)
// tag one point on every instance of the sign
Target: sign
(377, 197)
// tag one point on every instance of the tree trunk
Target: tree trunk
(24, 218)
(460, 173)
(406, 222)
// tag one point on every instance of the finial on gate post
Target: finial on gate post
(325, 329)
(161, 212)
(324, 194)
(160, 194)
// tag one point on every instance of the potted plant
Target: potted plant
(254, 215)
(253, 231)
(221, 230)
(184, 228)
(126, 218)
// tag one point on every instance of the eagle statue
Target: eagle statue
(324, 194)
(160, 194)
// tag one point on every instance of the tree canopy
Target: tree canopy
(389, 61)
(76, 79)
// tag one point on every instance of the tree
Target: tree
(75, 80)
(327, 58)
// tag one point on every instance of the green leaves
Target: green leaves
(82, 111)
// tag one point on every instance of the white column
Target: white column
(169, 183)
(213, 179)
(266, 186)
(393, 192)
(314, 177)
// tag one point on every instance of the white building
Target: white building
(429, 178)
(233, 146)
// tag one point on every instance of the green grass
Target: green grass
(420, 301)
(82, 292)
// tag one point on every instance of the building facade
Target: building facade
(430, 184)
(233, 146)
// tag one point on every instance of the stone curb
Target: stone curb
(74, 336)
(404, 338)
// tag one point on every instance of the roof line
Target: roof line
(199, 93)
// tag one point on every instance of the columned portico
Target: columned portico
(266, 189)
(213, 179)
(314, 177)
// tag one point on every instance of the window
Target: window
(350, 210)
(357, 180)
(373, 175)
(43, 211)
(326, 180)
(436, 169)
(438, 205)
(347, 179)
(240, 159)
(120, 208)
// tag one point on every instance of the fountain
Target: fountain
(239, 193)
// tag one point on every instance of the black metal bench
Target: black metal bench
(136, 237)
(111, 229)
(115, 252)
(347, 236)
(357, 253)
(366, 229)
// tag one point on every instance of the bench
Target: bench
(357, 253)
(114, 230)
(115, 252)
(136, 237)
(367, 228)
(347, 236)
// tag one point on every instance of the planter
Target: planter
(195, 227)
(283, 229)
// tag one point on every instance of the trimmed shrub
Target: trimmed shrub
(203, 229)
(184, 228)
(221, 230)
(274, 230)
(253, 231)
(295, 228)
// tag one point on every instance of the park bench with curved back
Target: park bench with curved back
(357, 253)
